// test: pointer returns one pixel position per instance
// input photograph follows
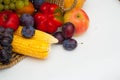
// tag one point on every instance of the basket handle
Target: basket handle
(71, 7)
(61, 4)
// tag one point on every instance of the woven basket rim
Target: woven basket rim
(60, 3)
(14, 60)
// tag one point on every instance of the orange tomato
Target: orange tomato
(29, 9)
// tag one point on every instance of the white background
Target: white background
(98, 58)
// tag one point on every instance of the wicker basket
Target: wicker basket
(14, 60)
(17, 57)
(61, 4)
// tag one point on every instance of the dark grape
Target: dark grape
(6, 38)
(9, 30)
(37, 3)
(1, 36)
(26, 20)
(2, 29)
(28, 31)
(4, 57)
(59, 36)
(68, 30)
(6, 35)
(8, 49)
(6, 41)
(69, 44)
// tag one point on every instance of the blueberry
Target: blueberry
(27, 20)
(37, 3)
(28, 31)
(59, 36)
(69, 44)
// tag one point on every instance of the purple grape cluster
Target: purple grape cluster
(6, 38)
(65, 36)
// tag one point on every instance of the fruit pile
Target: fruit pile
(29, 27)
(65, 36)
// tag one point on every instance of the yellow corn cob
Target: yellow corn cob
(39, 35)
(30, 47)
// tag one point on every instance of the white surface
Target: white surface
(98, 58)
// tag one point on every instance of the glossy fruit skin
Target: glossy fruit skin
(45, 8)
(49, 18)
(68, 30)
(69, 44)
(28, 31)
(59, 36)
(26, 20)
(79, 18)
(9, 19)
